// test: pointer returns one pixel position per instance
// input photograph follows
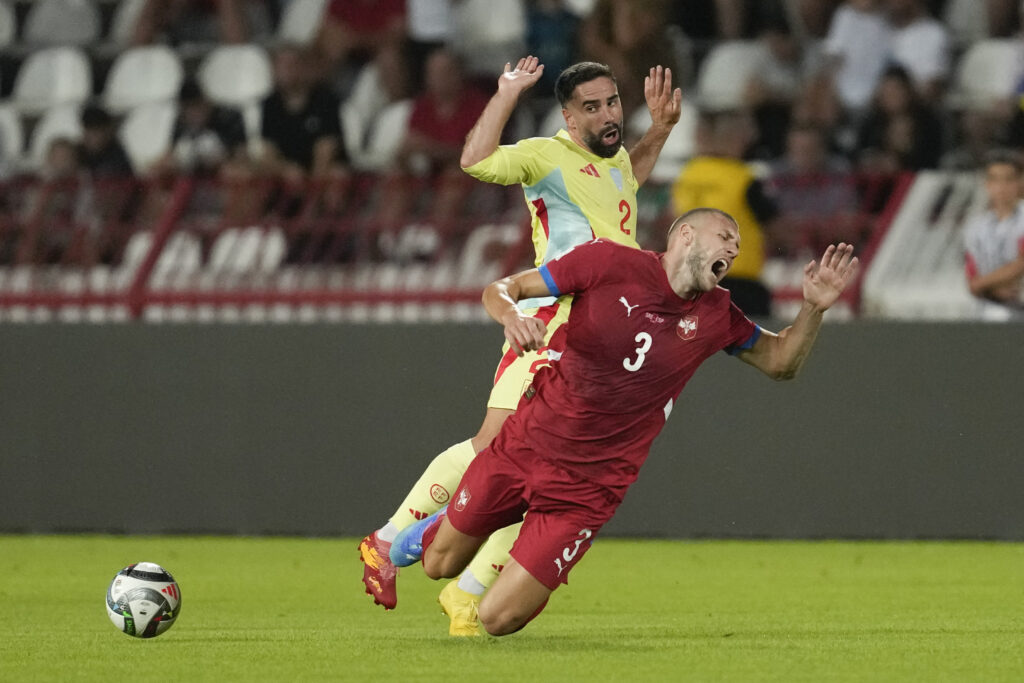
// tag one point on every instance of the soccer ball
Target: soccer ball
(143, 600)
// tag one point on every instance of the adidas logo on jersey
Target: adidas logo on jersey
(590, 169)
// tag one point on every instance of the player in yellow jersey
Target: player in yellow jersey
(579, 185)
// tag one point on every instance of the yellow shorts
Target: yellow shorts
(515, 373)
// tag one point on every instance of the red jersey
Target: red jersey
(631, 344)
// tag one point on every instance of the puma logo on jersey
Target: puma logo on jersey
(629, 309)
(590, 169)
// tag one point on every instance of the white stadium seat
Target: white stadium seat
(987, 73)
(52, 76)
(8, 24)
(61, 23)
(122, 24)
(12, 138)
(300, 20)
(143, 74)
(235, 75)
(146, 132)
(724, 75)
(60, 121)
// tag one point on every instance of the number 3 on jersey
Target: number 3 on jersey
(644, 340)
(626, 210)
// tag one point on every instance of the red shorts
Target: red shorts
(507, 480)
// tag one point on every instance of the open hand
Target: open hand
(664, 102)
(527, 72)
(825, 282)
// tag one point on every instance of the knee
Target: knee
(500, 622)
(440, 565)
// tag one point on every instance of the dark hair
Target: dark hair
(94, 116)
(1007, 157)
(699, 212)
(576, 74)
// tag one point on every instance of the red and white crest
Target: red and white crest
(687, 328)
(462, 499)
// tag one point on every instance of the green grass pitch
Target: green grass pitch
(280, 609)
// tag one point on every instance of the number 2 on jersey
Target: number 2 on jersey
(624, 206)
(644, 340)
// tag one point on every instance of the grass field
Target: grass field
(293, 609)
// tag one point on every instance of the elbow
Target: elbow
(466, 160)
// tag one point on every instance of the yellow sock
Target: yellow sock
(493, 555)
(436, 485)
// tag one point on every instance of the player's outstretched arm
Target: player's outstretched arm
(780, 356)
(523, 332)
(665, 105)
(485, 135)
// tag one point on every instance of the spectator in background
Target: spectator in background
(629, 37)
(857, 49)
(100, 152)
(977, 132)
(774, 87)
(300, 128)
(900, 132)
(441, 119)
(719, 177)
(921, 45)
(202, 21)
(551, 34)
(207, 140)
(429, 26)
(994, 240)
(355, 33)
(58, 208)
(814, 193)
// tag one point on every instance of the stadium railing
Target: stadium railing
(260, 250)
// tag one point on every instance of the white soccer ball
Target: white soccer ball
(143, 600)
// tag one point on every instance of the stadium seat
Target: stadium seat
(146, 132)
(143, 74)
(8, 24)
(60, 121)
(372, 144)
(52, 76)
(987, 73)
(486, 32)
(235, 75)
(12, 139)
(122, 24)
(300, 21)
(725, 72)
(61, 23)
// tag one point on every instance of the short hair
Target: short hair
(1007, 157)
(700, 212)
(581, 72)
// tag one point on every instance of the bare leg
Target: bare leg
(449, 552)
(514, 599)
(493, 420)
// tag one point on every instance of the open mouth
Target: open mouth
(610, 136)
(719, 268)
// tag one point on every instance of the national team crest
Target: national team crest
(462, 499)
(687, 328)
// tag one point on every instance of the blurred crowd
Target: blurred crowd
(814, 92)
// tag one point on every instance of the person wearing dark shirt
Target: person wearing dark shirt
(301, 128)
(100, 152)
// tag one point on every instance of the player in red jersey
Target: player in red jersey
(641, 324)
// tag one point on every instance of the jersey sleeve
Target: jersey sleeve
(509, 164)
(579, 268)
(742, 333)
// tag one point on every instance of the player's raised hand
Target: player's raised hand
(824, 282)
(524, 332)
(664, 102)
(514, 81)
